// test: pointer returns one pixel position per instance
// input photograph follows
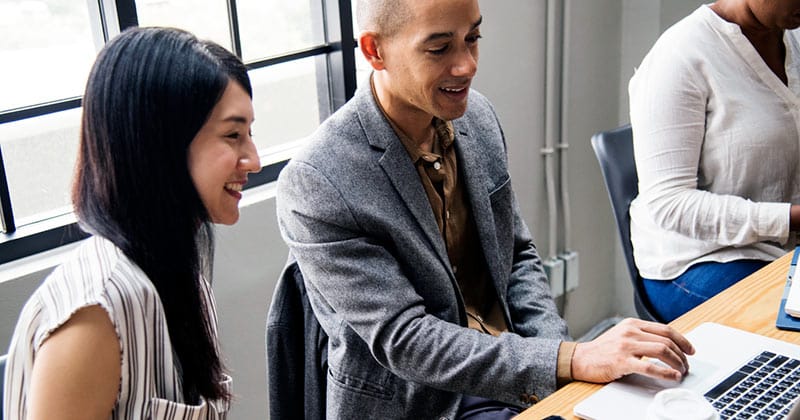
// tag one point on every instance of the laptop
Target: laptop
(725, 357)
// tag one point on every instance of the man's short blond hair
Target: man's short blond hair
(384, 17)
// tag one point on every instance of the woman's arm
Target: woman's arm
(76, 373)
(670, 96)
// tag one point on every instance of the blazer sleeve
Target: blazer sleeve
(532, 308)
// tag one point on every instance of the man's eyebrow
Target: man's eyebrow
(441, 35)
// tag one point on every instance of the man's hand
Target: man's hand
(619, 352)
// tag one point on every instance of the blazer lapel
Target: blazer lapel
(397, 165)
(399, 169)
(476, 180)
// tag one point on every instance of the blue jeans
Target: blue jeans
(673, 298)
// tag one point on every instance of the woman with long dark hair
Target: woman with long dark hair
(126, 329)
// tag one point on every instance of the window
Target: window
(287, 101)
(363, 70)
(39, 155)
(37, 38)
(299, 53)
(201, 17)
(272, 27)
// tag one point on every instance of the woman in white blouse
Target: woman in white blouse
(715, 110)
(126, 328)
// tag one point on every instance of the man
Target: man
(417, 263)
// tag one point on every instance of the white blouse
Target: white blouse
(100, 274)
(716, 145)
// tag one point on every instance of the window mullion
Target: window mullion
(39, 110)
(6, 214)
(233, 24)
(341, 62)
(126, 12)
(348, 47)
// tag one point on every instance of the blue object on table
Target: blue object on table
(784, 321)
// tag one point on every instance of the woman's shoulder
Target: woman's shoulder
(692, 33)
(684, 49)
(97, 265)
(96, 273)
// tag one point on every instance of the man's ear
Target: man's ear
(369, 42)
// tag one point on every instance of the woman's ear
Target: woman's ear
(369, 42)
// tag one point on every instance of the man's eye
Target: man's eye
(438, 51)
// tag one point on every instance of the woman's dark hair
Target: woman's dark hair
(149, 93)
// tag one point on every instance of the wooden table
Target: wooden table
(751, 305)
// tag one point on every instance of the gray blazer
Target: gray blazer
(354, 214)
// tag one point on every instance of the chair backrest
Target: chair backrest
(297, 352)
(614, 151)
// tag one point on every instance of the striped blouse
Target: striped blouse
(100, 274)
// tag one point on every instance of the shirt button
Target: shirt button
(455, 269)
(437, 165)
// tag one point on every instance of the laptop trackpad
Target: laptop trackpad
(635, 392)
(699, 371)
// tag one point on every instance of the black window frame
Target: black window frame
(336, 56)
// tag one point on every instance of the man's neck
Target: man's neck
(415, 124)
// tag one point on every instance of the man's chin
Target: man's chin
(452, 111)
(452, 114)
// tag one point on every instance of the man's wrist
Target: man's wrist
(564, 364)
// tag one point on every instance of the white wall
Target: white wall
(591, 65)
(603, 36)
(642, 23)
(512, 75)
(249, 259)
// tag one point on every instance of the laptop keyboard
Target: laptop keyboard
(764, 388)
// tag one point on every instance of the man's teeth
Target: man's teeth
(234, 186)
(452, 90)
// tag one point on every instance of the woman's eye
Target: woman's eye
(473, 39)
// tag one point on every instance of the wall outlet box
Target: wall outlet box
(571, 269)
(554, 268)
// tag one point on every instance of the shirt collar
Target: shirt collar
(444, 132)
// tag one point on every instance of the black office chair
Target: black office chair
(614, 151)
(297, 352)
